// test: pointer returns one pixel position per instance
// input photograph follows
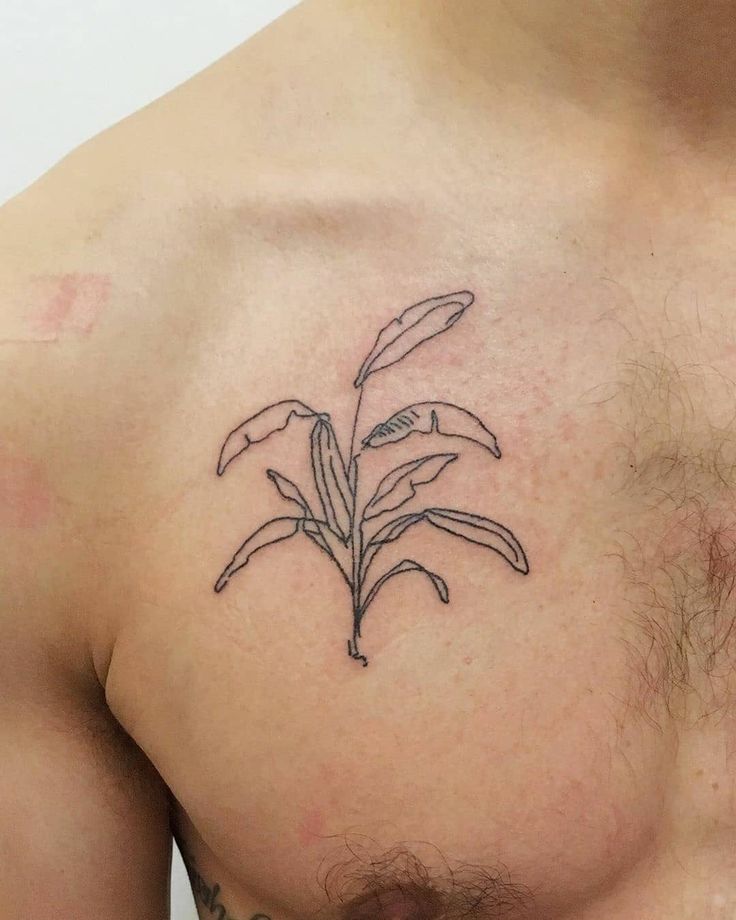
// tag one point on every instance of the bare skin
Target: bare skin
(570, 733)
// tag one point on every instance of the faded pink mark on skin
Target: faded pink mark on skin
(70, 303)
(25, 496)
(311, 828)
(568, 427)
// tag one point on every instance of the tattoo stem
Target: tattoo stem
(356, 540)
(355, 430)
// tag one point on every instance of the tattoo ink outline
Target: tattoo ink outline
(208, 894)
(342, 532)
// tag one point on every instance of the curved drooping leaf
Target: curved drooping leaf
(281, 529)
(471, 527)
(259, 426)
(272, 532)
(400, 485)
(408, 565)
(331, 479)
(430, 418)
(415, 325)
(483, 531)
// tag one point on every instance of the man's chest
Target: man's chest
(548, 481)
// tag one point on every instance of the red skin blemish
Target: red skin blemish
(312, 827)
(468, 659)
(70, 303)
(25, 496)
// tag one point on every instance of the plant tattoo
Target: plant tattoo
(353, 536)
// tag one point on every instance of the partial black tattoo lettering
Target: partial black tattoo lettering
(349, 530)
(209, 895)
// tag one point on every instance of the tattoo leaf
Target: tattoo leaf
(408, 565)
(351, 540)
(429, 418)
(259, 426)
(317, 531)
(290, 491)
(330, 543)
(483, 531)
(471, 527)
(399, 486)
(331, 479)
(273, 532)
(415, 325)
(387, 534)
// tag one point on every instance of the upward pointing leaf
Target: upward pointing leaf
(430, 417)
(415, 325)
(259, 426)
(290, 491)
(398, 487)
(317, 531)
(331, 479)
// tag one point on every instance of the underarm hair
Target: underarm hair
(415, 882)
(679, 437)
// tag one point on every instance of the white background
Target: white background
(70, 69)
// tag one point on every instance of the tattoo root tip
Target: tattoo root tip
(220, 584)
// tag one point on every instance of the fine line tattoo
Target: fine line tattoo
(353, 533)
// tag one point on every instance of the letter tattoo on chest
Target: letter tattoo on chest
(350, 531)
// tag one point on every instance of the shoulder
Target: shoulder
(125, 269)
(177, 261)
(73, 772)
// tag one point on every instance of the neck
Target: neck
(667, 63)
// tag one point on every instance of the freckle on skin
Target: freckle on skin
(468, 659)
(25, 496)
